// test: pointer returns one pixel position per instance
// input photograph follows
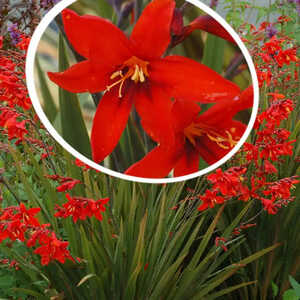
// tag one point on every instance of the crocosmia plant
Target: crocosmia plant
(68, 231)
(142, 75)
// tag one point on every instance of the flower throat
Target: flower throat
(133, 68)
(195, 130)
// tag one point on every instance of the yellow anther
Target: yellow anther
(195, 130)
(230, 139)
(116, 74)
(136, 76)
(219, 140)
(136, 70)
(142, 77)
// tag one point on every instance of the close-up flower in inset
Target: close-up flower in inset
(132, 71)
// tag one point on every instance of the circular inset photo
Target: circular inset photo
(165, 94)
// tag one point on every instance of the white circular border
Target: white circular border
(30, 59)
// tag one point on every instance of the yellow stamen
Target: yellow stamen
(136, 71)
(136, 75)
(196, 130)
(116, 74)
(142, 77)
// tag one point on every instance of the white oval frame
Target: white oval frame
(30, 59)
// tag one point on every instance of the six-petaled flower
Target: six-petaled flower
(134, 71)
(209, 136)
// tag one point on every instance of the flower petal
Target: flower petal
(152, 34)
(184, 112)
(96, 37)
(187, 79)
(156, 164)
(210, 25)
(81, 77)
(154, 108)
(223, 111)
(208, 154)
(188, 163)
(247, 98)
(210, 151)
(109, 122)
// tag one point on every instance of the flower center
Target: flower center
(195, 130)
(133, 68)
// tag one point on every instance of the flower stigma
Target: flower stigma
(133, 68)
(195, 130)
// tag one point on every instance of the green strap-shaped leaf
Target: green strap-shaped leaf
(48, 102)
(72, 124)
(214, 53)
(229, 290)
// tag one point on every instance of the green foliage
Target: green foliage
(144, 248)
(214, 53)
(290, 294)
(73, 127)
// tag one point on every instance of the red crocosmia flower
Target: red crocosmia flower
(209, 199)
(68, 185)
(27, 215)
(210, 136)
(284, 57)
(1, 42)
(273, 46)
(14, 221)
(228, 182)
(81, 208)
(12, 229)
(53, 249)
(132, 71)
(270, 206)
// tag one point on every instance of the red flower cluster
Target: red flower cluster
(13, 91)
(278, 111)
(230, 185)
(50, 247)
(13, 123)
(271, 143)
(226, 185)
(81, 208)
(24, 42)
(273, 50)
(274, 54)
(17, 222)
